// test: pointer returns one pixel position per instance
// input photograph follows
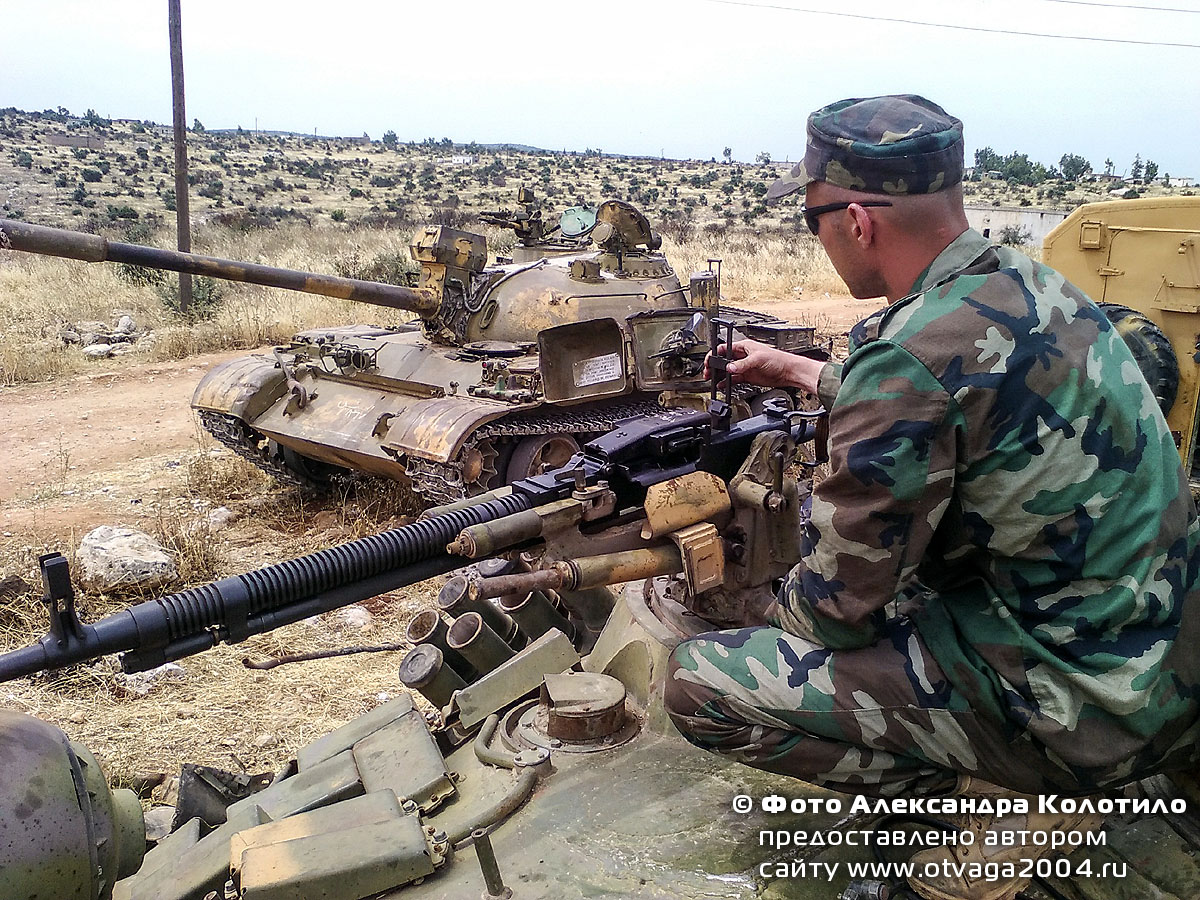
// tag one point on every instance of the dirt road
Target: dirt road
(79, 452)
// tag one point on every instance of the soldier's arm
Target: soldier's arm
(893, 438)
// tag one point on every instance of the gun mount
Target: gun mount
(508, 371)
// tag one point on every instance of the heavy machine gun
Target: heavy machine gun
(615, 480)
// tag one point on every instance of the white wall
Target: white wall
(990, 221)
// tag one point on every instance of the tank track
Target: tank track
(436, 483)
(439, 483)
(250, 446)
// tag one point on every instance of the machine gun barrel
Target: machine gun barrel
(158, 631)
(94, 248)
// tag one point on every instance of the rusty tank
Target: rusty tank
(531, 755)
(506, 370)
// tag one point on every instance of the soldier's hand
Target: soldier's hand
(753, 362)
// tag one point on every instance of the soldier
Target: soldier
(997, 592)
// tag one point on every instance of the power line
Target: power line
(1174, 9)
(976, 28)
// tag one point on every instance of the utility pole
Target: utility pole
(183, 220)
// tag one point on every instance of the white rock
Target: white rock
(355, 616)
(115, 557)
(121, 349)
(125, 325)
(98, 351)
(265, 741)
(220, 517)
(139, 684)
(158, 822)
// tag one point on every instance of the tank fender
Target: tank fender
(245, 387)
(437, 429)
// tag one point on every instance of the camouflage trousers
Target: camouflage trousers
(882, 720)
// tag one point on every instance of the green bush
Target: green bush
(206, 297)
(91, 175)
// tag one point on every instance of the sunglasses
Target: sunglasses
(812, 213)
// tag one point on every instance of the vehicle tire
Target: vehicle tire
(1150, 348)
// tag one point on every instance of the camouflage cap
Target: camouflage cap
(900, 144)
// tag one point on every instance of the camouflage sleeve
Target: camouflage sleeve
(893, 438)
(828, 384)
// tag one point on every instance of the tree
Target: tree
(728, 154)
(1108, 167)
(988, 160)
(1151, 170)
(763, 158)
(1074, 166)
(1135, 170)
(390, 140)
(1018, 169)
(197, 126)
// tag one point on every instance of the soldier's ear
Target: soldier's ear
(862, 227)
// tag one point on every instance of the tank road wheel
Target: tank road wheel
(1150, 348)
(482, 465)
(538, 453)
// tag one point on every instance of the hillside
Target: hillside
(56, 169)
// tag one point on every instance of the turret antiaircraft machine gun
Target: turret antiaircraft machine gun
(541, 676)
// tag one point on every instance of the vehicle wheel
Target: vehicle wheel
(1150, 348)
(484, 466)
(538, 453)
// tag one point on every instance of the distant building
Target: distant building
(1182, 181)
(90, 141)
(463, 159)
(990, 221)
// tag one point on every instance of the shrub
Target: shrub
(1015, 235)
(206, 297)
(388, 267)
(91, 175)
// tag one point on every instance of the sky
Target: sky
(680, 78)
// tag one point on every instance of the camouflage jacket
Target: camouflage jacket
(996, 453)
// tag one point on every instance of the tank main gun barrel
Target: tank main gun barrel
(94, 248)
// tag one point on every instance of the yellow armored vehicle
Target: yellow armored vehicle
(1138, 259)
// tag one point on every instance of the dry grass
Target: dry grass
(40, 295)
(759, 266)
(221, 713)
